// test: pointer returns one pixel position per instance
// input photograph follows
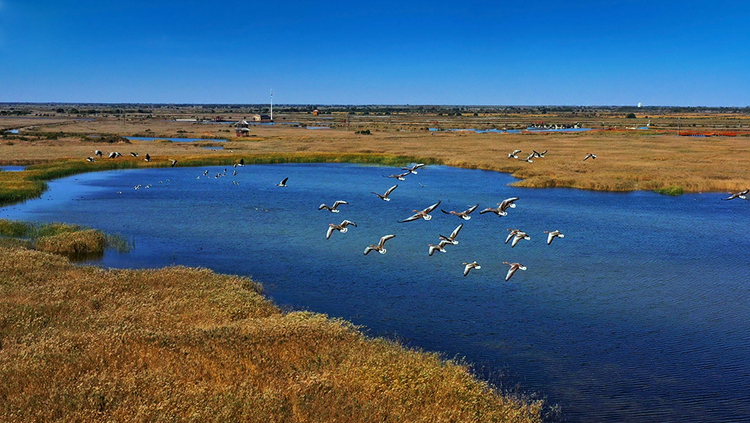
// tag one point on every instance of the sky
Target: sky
(603, 52)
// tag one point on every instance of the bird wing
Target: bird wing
(432, 207)
(323, 206)
(368, 249)
(346, 223)
(550, 237)
(508, 202)
(516, 238)
(338, 203)
(467, 268)
(384, 239)
(450, 212)
(511, 271)
(431, 250)
(390, 190)
(471, 209)
(329, 232)
(510, 235)
(488, 210)
(283, 181)
(455, 232)
(409, 219)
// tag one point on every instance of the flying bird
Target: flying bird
(516, 235)
(282, 183)
(741, 195)
(513, 268)
(381, 245)
(400, 176)
(538, 154)
(500, 210)
(590, 156)
(384, 197)
(424, 214)
(340, 227)
(552, 235)
(98, 153)
(452, 238)
(438, 247)
(514, 154)
(414, 168)
(148, 158)
(464, 214)
(469, 266)
(134, 154)
(174, 162)
(334, 208)
(90, 159)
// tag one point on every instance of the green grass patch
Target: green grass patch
(673, 190)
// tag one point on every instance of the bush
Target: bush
(673, 190)
(630, 116)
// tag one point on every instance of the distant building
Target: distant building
(261, 118)
(241, 129)
(315, 112)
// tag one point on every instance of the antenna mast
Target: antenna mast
(271, 104)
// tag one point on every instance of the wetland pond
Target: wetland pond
(639, 314)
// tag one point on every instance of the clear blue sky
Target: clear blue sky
(597, 52)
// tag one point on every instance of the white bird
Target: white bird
(514, 154)
(381, 245)
(438, 247)
(340, 227)
(452, 238)
(424, 214)
(414, 168)
(384, 197)
(464, 214)
(469, 266)
(513, 268)
(400, 176)
(148, 158)
(538, 154)
(98, 153)
(334, 208)
(741, 195)
(282, 183)
(500, 210)
(516, 235)
(112, 155)
(134, 154)
(90, 159)
(174, 162)
(528, 158)
(552, 235)
(590, 156)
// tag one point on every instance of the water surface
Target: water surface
(639, 314)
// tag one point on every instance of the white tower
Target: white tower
(271, 104)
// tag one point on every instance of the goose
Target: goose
(340, 227)
(414, 168)
(112, 155)
(513, 268)
(528, 158)
(148, 158)
(241, 163)
(741, 195)
(469, 266)
(334, 208)
(438, 247)
(517, 236)
(452, 238)
(98, 153)
(174, 162)
(590, 156)
(538, 154)
(400, 176)
(464, 214)
(283, 182)
(508, 203)
(205, 173)
(552, 235)
(514, 154)
(384, 197)
(90, 159)
(381, 245)
(134, 154)
(424, 214)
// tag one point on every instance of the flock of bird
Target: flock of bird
(116, 154)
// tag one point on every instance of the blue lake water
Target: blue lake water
(12, 168)
(172, 139)
(511, 131)
(639, 314)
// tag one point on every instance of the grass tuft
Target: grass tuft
(673, 190)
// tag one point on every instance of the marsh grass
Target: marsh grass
(178, 344)
(673, 190)
(72, 241)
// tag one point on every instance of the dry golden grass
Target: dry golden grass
(178, 344)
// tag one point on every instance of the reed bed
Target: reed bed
(83, 343)
(72, 241)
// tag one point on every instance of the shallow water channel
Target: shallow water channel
(638, 314)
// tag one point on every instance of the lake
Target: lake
(173, 139)
(638, 314)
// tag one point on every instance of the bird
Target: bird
(469, 266)
(242, 162)
(148, 158)
(174, 162)
(98, 153)
(590, 155)
(500, 210)
(112, 155)
(552, 235)
(513, 268)
(283, 182)
(516, 235)
(464, 214)
(134, 154)
(514, 154)
(414, 168)
(438, 247)
(528, 158)
(741, 195)
(381, 245)
(384, 197)
(340, 227)
(400, 176)
(538, 154)
(334, 208)
(452, 238)
(424, 214)
(90, 159)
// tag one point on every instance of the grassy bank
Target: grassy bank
(72, 241)
(85, 343)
